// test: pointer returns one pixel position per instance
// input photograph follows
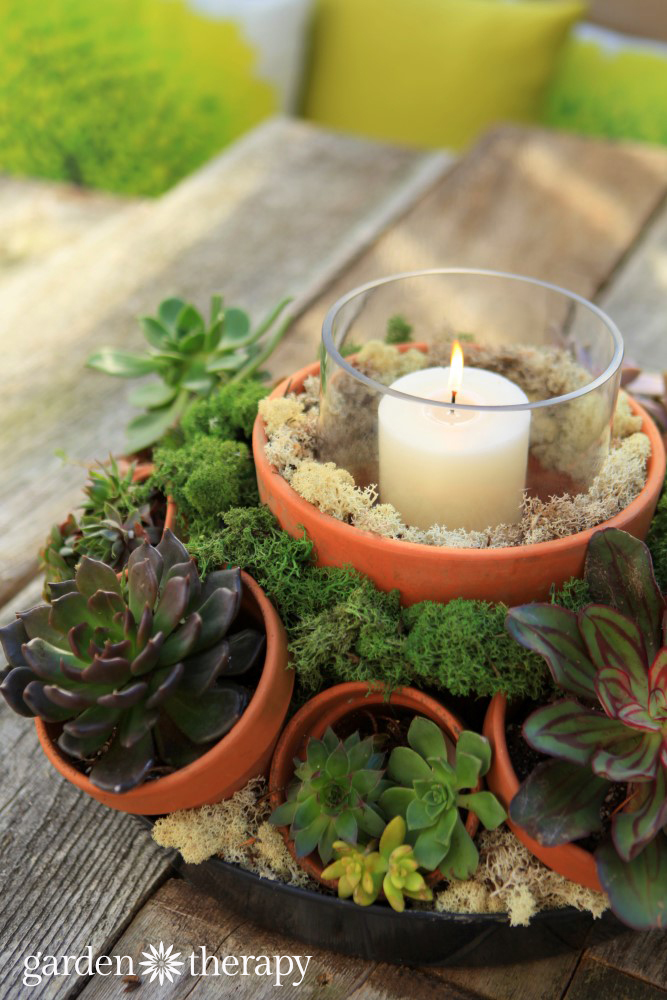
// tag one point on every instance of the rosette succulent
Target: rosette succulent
(429, 792)
(117, 515)
(139, 671)
(191, 356)
(334, 795)
(391, 868)
(610, 729)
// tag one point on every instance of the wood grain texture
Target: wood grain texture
(180, 915)
(640, 955)
(594, 981)
(274, 215)
(636, 297)
(549, 205)
(39, 217)
(72, 872)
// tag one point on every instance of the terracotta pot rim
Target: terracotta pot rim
(503, 781)
(229, 743)
(655, 476)
(342, 700)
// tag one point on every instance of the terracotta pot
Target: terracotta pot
(242, 754)
(514, 575)
(329, 708)
(572, 861)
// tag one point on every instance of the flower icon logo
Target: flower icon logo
(161, 964)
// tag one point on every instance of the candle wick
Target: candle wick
(453, 395)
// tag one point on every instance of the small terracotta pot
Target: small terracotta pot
(513, 575)
(242, 754)
(329, 708)
(572, 861)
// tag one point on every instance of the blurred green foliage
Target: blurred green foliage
(125, 95)
(620, 94)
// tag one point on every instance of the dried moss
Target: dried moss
(236, 831)
(296, 443)
(206, 477)
(511, 880)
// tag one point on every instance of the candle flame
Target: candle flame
(456, 370)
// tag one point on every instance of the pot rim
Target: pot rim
(612, 368)
(503, 780)
(655, 476)
(343, 699)
(167, 784)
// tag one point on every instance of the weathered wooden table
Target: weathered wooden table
(288, 210)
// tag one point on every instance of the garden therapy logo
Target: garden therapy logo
(160, 964)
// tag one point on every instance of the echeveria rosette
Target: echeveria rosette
(191, 356)
(334, 795)
(611, 730)
(430, 793)
(137, 670)
(392, 868)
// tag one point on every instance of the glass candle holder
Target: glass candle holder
(456, 437)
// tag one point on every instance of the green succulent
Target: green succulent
(191, 356)
(391, 868)
(429, 793)
(140, 671)
(334, 795)
(117, 516)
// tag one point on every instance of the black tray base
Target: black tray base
(377, 933)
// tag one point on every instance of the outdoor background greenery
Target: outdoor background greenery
(125, 95)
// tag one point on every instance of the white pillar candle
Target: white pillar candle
(457, 468)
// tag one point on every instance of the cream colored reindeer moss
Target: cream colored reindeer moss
(292, 427)
(511, 880)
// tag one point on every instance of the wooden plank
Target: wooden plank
(39, 217)
(73, 871)
(637, 294)
(640, 955)
(190, 920)
(544, 979)
(183, 917)
(549, 205)
(594, 980)
(274, 215)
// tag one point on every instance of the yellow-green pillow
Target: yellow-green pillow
(611, 85)
(433, 72)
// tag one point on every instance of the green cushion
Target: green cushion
(127, 95)
(610, 85)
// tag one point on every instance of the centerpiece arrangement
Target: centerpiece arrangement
(269, 651)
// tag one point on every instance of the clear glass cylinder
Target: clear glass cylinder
(532, 411)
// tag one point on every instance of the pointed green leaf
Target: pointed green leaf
(155, 395)
(206, 719)
(395, 801)
(615, 641)
(418, 816)
(393, 836)
(432, 845)
(462, 858)
(633, 830)
(93, 575)
(346, 827)
(477, 746)
(406, 766)
(142, 588)
(122, 768)
(122, 364)
(169, 310)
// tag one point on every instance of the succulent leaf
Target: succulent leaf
(567, 730)
(637, 889)
(646, 815)
(613, 640)
(333, 795)
(554, 633)
(559, 802)
(638, 597)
